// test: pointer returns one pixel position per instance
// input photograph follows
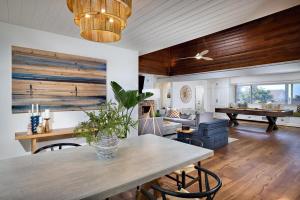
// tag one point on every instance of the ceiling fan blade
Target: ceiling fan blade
(184, 58)
(204, 52)
(207, 58)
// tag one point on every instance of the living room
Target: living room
(141, 99)
(282, 89)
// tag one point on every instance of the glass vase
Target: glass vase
(107, 147)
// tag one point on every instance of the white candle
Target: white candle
(47, 113)
(37, 109)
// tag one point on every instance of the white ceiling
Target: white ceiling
(155, 24)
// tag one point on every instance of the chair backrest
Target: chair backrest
(52, 146)
(205, 117)
(206, 177)
(151, 125)
(212, 126)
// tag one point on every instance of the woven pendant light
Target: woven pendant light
(100, 20)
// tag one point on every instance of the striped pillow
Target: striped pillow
(174, 114)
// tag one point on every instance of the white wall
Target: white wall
(122, 66)
(165, 88)
(176, 100)
(272, 78)
(218, 90)
(269, 69)
(150, 81)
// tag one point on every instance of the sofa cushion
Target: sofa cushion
(184, 116)
(192, 117)
(186, 122)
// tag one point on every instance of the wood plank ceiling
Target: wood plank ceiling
(154, 24)
(271, 39)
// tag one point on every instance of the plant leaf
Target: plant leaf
(120, 93)
(144, 96)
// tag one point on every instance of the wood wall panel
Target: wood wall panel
(275, 38)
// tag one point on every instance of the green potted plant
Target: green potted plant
(111, 122)
(128, 100)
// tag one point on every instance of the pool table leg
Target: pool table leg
(233, 121)
(272, 124)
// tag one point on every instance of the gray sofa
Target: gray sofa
(194, 123)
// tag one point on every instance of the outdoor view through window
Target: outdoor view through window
(272, 93)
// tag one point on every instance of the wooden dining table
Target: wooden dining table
(76, 173)
(271, 115)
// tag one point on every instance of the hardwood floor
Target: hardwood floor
(257, 166)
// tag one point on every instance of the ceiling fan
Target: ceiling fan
(198, 56)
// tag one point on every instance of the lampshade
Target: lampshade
(100, 20)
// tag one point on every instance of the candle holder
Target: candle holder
(34, 123)
(46, 125)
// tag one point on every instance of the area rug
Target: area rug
(230, 139)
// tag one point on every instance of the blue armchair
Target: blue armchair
(213, 134)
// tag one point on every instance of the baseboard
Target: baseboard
(265, 122)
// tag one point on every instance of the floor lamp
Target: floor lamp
(152, 122)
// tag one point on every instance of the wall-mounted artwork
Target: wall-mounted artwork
(186, 94)
(56, 81)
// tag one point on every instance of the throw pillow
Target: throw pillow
(192, 117)
(298, 108)
(168, 112)
(184, 116)
(174, 114)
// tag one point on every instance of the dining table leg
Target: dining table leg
(233, 121)
(272, 124)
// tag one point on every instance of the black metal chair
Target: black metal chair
(183, 175)
(52, 146)
(205, 189)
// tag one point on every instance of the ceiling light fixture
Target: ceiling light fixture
(198, 56)
(100, 20)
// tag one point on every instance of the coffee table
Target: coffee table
(190, 131)
(170, 129)
(185, 134)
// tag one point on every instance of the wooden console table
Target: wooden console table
(271, 115)
(54, 134)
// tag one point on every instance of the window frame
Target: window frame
(236, 90)
(292, 93)
(289, 87)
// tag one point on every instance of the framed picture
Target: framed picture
(56, 81)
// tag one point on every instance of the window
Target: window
(296, 93)
(243, 94)
(269, 93)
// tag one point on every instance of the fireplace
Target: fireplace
(144, 108)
